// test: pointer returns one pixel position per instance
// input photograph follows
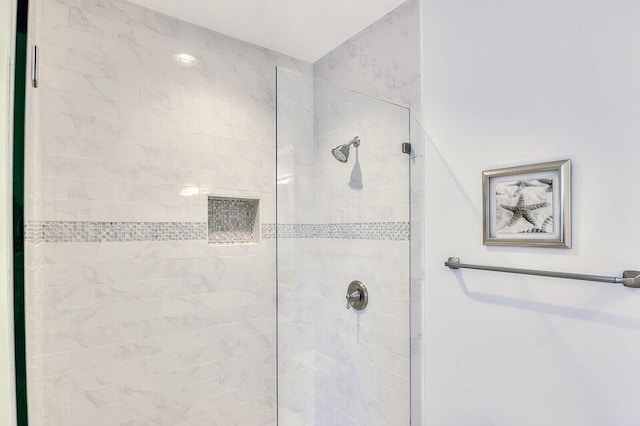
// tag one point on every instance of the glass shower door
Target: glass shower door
(342, 216)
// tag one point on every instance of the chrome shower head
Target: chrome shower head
(341, 152)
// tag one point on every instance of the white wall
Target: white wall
(7, 391)
(510, 82)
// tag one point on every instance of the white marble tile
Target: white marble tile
(65, 80)
(93, 399)
(358, 362)
(84, 189)
(54, 55)
(66, 37)
(69, 297)
(51, 188)
(55, 12)
(383, 60)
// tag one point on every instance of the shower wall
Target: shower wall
(383, 61)
(362, 358)
(338, 223)
(133, 317)
(356, 363)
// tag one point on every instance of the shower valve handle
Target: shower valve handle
(357, 296)
(353, 297)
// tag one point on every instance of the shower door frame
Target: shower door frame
(17, 173)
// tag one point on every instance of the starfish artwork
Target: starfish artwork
(523, 211)
(522, 184)
(549, 183)
(526, 206)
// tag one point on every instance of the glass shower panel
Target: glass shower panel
(342, 215)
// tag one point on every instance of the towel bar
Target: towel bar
(629, 278)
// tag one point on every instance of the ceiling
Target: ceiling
(304, 29)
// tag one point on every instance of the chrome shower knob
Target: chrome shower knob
(357, 296)
(351, 298)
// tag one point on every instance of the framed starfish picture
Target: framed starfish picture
(528, 206)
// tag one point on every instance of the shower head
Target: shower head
(341, 152)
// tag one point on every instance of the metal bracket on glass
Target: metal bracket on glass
(629, 278)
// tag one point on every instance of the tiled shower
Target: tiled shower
(190, 238)
(340, 366)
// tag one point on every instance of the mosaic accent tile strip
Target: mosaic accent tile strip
(83, 231)
(34, 232)
(232, 220)
(268, 231)
(392, 231)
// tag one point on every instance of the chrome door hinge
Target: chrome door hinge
(34, 65)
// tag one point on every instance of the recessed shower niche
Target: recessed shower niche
(233, 220)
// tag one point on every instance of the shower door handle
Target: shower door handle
(35, 59)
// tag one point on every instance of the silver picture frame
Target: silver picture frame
(528, 206)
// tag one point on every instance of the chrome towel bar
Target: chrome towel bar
(629, 278)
